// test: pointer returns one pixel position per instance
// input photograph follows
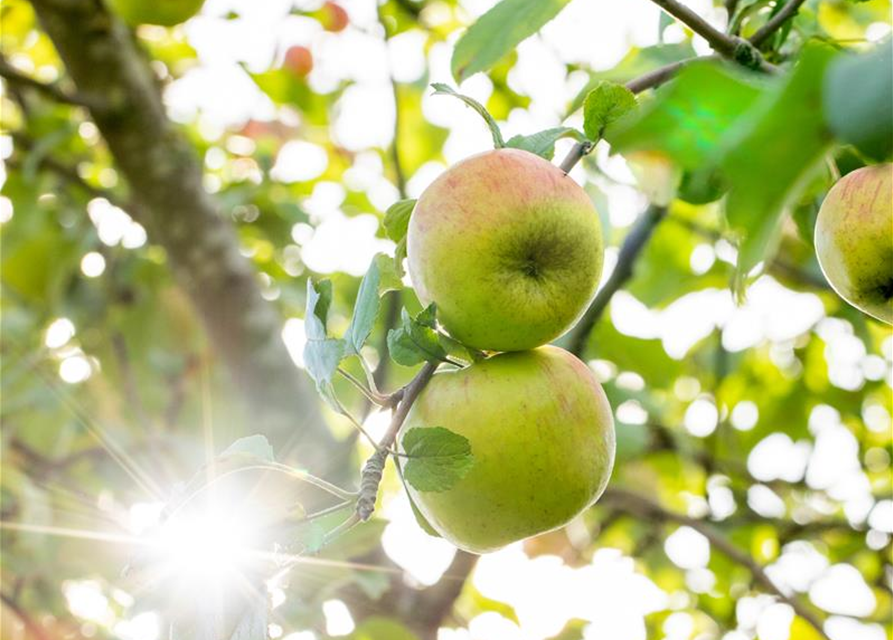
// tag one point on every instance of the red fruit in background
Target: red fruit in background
(298, 60)
(333, 17)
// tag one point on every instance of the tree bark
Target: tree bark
(165, 179)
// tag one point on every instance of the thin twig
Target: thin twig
(643, 506)
(374, 467)
(623, 271)
(51, 90)
(356, 423)
(372, 396)
(788, 11)
(660, 75)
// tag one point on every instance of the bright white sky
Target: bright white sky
(610, 592)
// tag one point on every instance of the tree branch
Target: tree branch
(35, 630)
(165, 177)
(623, 271)
(718, 41)
(374, 466)
(728, 46)
(642, 506)
(430, 607)
(788, 11)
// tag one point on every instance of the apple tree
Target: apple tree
(411, 319)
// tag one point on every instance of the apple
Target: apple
(298, 60)
(509, 247)
(542, 436)
(166, 13)
(854, 239)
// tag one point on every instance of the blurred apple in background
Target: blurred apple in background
(333, 17)
(298, 60)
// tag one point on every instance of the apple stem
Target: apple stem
(370, 478)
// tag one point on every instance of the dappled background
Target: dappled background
(760, 423)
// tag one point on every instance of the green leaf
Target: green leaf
(396, 219)
(607, 102)
(416, 340)
(543, 142)
(441, 89)
(688, 118)
(319, 299)
(322, 354)
(770, 155)
(498, 32)
(437, 458)
(256, 446)
(379, 279)
(858, 100)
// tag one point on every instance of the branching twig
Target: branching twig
(728, 46)
(643, 506)
(374, 467)
(623, 271)
(788, 11)
(371, 395)
(51, 90)
(65, 172)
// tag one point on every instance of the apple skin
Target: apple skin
(542, 435)
(854, 239)
(166, 13)
(509, 247)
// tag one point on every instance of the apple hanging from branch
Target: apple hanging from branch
(509, 247)
(542, 435)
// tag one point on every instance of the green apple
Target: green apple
(542, 437)
(166, 13)
(854, 239)
(509, 247)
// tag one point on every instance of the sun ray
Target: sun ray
(70, 532)
(141, 477)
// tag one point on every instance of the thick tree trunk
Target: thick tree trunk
(165, 178)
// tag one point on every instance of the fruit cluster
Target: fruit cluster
(510, 249)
